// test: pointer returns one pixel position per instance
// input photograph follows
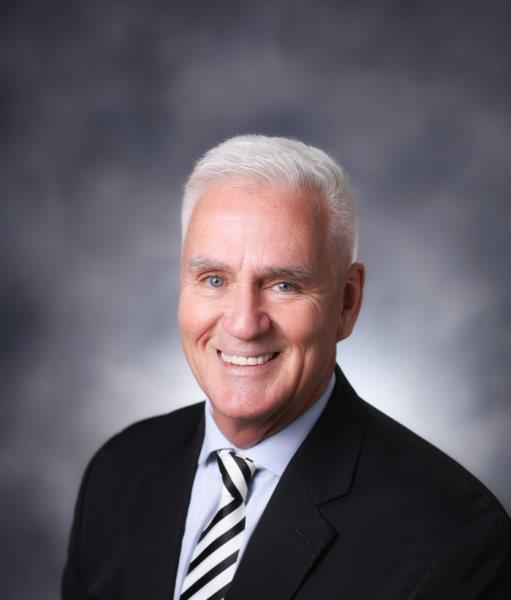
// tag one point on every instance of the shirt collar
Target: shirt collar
(272, 453)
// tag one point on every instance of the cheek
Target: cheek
(195, 316)
(304, 323)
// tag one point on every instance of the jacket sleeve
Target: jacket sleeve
(72, 587)
(475, 564)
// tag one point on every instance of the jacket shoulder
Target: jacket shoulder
(146, 436)
(121, 464)
(108, 492)
(406, 459)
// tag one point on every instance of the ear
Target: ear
(351, 300)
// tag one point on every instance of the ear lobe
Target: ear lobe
(340, 329)
(344, 329)
(352, 300)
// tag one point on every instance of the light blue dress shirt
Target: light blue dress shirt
(271, 454)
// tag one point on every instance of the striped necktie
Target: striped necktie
(214, 559)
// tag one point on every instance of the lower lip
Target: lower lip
(248, 369)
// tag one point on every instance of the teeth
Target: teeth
(247, 360)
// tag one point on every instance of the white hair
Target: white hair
(284, 161)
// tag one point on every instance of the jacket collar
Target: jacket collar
(328, 457)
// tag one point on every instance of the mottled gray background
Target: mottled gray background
(104, 106)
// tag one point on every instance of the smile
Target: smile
(248, 360)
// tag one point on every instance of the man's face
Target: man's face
(259, 310)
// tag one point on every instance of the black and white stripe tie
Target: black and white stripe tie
(214, 559)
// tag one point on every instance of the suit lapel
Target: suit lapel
(154, 538)
(292, 533)
(284, 545)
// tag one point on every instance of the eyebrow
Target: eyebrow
(295, 273)
(200, 263)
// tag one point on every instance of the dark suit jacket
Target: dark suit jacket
(365, 510)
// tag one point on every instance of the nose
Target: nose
(245, 317)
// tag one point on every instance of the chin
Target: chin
(241, 406)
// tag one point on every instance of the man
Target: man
(283, 484)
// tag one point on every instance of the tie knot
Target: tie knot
(237, 473)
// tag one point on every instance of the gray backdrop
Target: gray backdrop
(105, 105)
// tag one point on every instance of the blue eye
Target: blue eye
(284, 286)
(215, 281)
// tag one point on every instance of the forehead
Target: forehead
(245, 216)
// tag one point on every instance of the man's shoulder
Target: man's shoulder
(142, 441)
(421, 471)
